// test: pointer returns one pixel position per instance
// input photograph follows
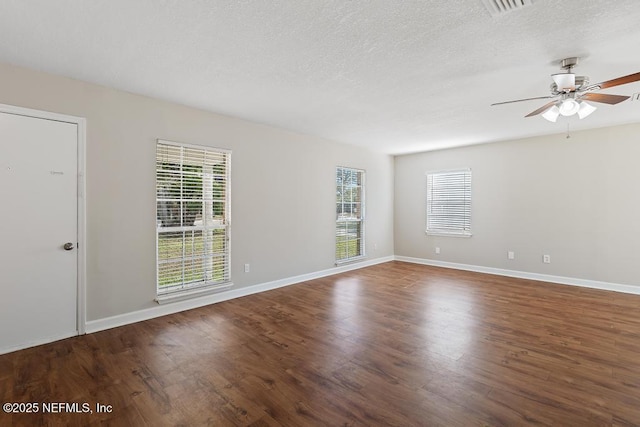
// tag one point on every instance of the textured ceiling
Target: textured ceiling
(394, 76)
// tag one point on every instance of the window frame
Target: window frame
(188, 289)
(465, 189)
(346, 221)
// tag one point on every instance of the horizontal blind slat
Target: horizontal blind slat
(192, 208)
(449, 201)
(350, 207)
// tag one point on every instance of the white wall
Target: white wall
(575, 199)
(283, 188)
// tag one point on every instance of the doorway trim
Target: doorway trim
(81, 303)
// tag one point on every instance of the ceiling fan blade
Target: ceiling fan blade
(520, 100)
(542, 109)
(620, 81)
(604, 98)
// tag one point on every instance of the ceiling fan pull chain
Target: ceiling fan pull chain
(568, 134)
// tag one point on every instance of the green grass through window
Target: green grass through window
(174, 270)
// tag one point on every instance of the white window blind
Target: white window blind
(192, 194)
(349, 214)
(449, 202)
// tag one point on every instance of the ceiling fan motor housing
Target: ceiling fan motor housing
(580, 81)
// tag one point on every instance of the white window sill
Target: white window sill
(351, 260)
(192, 293)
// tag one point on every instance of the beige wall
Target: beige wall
(283, 194)
(575, 199)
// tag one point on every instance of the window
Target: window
(192, 195)
(449, 202)
(349, 214)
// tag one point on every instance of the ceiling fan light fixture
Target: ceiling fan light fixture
(569, 92)
(585, 109)
(565, 82)
(569, 107)
(552, 114)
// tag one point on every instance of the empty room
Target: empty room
(319, 213)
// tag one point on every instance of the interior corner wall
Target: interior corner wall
(574, 199)
(282, 189)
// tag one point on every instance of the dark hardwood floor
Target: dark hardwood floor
(394, 344)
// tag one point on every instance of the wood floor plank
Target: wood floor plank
(395, 344)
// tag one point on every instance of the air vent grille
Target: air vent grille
(500, 7)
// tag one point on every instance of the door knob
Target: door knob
(68, 246)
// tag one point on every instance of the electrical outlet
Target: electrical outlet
(511, 255)
(437, 250)
(546, 259)
(247, 268)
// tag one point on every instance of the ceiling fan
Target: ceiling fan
(570, 93)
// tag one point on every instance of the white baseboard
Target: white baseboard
(617, 287)
(178, 306)
(175, 307)
(40, 341)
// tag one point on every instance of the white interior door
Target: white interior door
(38, 216)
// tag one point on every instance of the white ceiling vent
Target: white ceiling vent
(500, 7)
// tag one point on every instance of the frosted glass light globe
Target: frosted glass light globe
(569, 107)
